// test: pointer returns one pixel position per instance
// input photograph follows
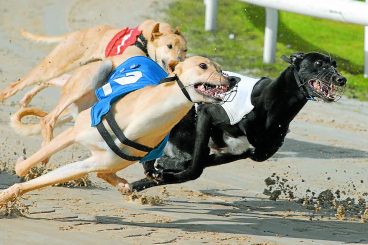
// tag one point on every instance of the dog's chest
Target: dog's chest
(234, 146)
(240, 102)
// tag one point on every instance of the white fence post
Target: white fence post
(270, 37)
(211, 15)
(366, 49)
(345, 11)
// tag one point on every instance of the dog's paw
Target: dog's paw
(9, 194)
(154, 174)
(125, 189)
(19, 168)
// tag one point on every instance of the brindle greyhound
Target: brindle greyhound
(276, 102)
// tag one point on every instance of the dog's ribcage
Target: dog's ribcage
(234, 146)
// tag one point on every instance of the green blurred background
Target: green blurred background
(344, 42)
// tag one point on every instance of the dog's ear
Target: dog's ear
(294, 59)
(177, 31)
(172, 65)
(156, 31)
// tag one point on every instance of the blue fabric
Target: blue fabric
(157, 152)
(135, 73)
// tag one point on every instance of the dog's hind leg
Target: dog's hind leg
(59, 81)
(63, 58)
(29, 95)
(63, 140)
(83, 81)
(63, 174)
(114, 180)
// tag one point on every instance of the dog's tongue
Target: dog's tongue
(201, 88)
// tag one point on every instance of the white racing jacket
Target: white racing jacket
(241, 104)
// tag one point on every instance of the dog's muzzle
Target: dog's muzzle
(221, 93)
(328, 90)
(216, 92)
(233, 89)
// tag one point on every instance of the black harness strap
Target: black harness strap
(181, 85)
(301, 86)
(120, 135)
(141, 43)
(111, 143)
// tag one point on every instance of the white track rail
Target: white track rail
(348, 11)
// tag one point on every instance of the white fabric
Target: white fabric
(241, 104)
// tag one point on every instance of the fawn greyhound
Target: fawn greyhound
(145, 116)
(85, 51)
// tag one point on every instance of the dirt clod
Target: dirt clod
(146, 200)
(13, 208)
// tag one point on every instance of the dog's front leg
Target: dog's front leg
(201, 150)
(259, 154)
(58, 81)
(114, 180)
(63, 174)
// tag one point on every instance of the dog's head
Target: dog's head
(203, 79)
(164, 44)
(318, 74)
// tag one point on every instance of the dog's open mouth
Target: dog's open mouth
(326, 91)
(215, 91)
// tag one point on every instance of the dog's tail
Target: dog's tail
(42, 38)
(26, 129)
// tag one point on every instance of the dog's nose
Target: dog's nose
(341, 81)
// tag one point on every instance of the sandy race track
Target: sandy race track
(327, 148)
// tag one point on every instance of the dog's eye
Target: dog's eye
(318, 63)
(169, 46)
(333, 63)
(185, 50)
(203, 66)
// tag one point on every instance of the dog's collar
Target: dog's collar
(141, 43)
(301, 85)
(181, 85)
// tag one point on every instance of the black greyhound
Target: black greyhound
(276, 102)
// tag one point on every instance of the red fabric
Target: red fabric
(121, 41)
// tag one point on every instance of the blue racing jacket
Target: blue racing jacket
(135, 73)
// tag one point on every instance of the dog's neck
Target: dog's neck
(283, 98)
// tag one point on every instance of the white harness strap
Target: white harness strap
(241, 104)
